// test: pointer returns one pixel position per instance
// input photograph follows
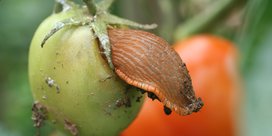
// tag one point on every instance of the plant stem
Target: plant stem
(168, 19)
(91, 6)
(203, 19)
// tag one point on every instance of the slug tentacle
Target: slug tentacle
(148, 62)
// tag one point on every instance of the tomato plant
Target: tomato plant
(212, 64)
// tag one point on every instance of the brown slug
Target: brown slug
(148, 62)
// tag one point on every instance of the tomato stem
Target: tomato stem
(91, 6)
(168, 21)
(98, 6)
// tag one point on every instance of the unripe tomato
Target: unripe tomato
(73, 84)
(212, 64)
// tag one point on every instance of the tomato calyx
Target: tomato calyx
(98, 22)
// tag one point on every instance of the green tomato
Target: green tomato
(75, 85)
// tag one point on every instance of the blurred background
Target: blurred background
(245, 23)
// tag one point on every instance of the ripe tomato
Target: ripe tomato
(212, 65)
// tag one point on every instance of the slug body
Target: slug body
(148, 62)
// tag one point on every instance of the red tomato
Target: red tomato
(212, 65)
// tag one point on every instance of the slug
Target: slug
(148, 62)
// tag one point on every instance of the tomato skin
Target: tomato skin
(80, 91)
(213, 68)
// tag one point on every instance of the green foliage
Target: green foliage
(18, 21)
(256, 52)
